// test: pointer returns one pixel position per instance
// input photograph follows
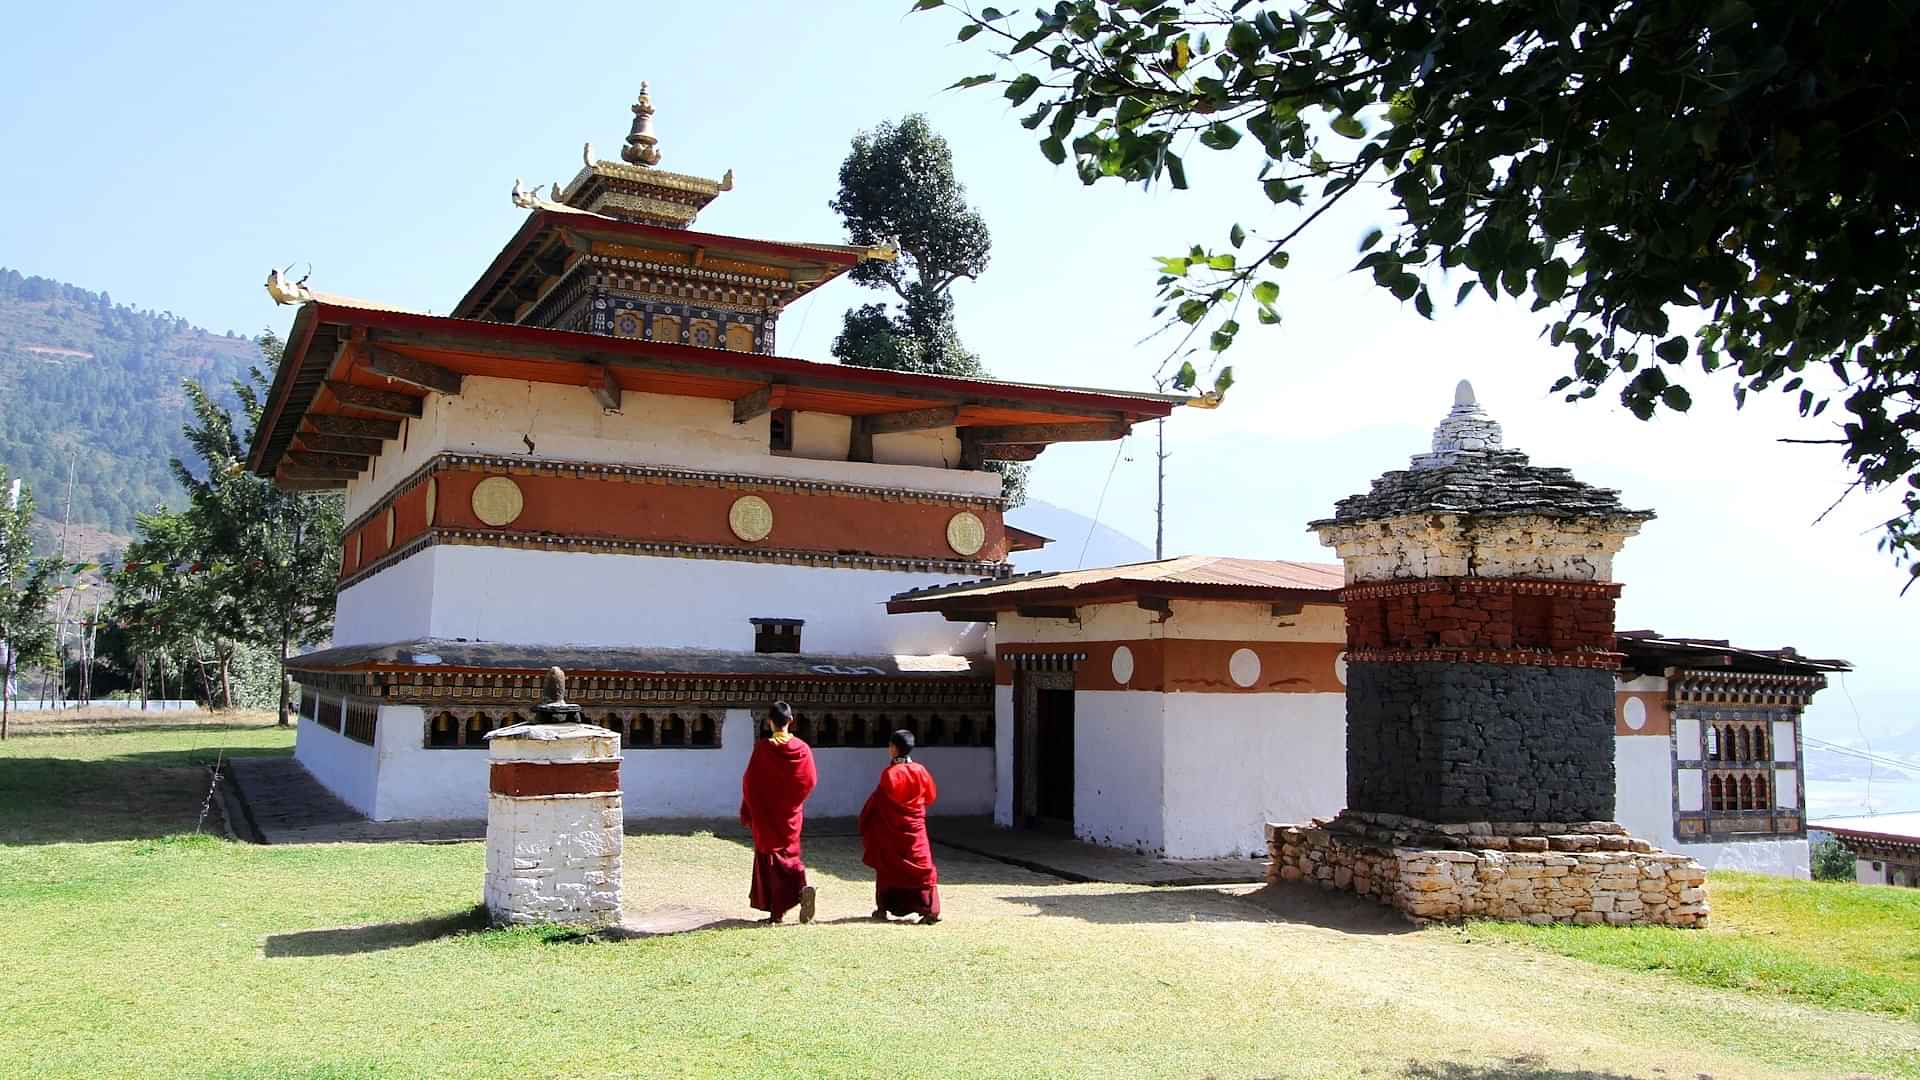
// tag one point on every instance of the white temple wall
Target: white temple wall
(344, 767)
(1643, 787)
(1118, 768)
(583, 598)
(1234, 762)
(417, 782)
(499, 416)
(1787, 857)
(395, 604)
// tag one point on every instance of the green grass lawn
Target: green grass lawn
(1828, 943)
(127, 948)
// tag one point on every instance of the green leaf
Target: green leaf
(1676, 398)
(1022, 88)
(1266, 292)
(1373, 237)
(1279, 260)
(1182, 54)
(968, 31)
(927, 5)
(1349, 125)
(1192, 311)
(1423, 303)
(1224, 380)
(1222, 261)
(1280, 191)
(1054, 150)
(1550, 281)
(971, 81)
(1673, 350)
(1236, 235)
(1220, 137)
(1185, 377)
(1460, 297)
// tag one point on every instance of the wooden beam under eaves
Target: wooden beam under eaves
(380, 401)
(296, 482)
(764, 400)
(909, 420)
(406, 369)
(1288, 607)
(1048, 612)
(309, 472)
(972, 616)
(606, 390)
(1159, 605)
(339, 444)
(364, 427)
(1099, 431)
(353, 463)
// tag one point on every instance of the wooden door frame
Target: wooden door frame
(1026, 712)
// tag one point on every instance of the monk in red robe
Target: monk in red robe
(780, 775)
(893, 836)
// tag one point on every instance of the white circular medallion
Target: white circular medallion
(1635, 713)
(433, 496)
(966, 533)
(751, 518)
(389, 526)
(1340, 668)
(497, 501)
(1244, 667)
(1122, 665)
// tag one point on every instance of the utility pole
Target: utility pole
(1160, 493)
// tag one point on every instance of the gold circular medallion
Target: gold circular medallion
(359, 548)
(433, 496)
(497, 501)
(751, 518)
(389, 526)
(966, 534)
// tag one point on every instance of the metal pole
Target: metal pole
(1160, 494)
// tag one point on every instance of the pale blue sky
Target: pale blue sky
(173, 157)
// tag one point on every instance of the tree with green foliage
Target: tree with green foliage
(26, 588)
(1831, 862)
(245, 563)
(898, 188)
(1727, 184)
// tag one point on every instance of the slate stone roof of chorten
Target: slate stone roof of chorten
(1469, 473)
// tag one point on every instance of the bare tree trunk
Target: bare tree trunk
(226, 680)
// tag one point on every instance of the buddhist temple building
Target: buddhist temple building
(599, 461)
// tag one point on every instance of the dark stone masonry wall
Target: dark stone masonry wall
(1450, 742)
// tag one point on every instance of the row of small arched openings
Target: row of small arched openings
(1738, 742)
(1743, 793)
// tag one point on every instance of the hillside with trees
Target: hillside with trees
(94, 386)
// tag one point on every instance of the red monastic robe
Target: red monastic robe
(893, 836)
(773, 793)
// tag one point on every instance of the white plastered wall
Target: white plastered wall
(533, 597)
(1003, 756)
(416, 782)
(498, 416)
(344, 767)
(1234, 762)
(1118, 769)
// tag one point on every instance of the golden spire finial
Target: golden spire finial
(642, 147)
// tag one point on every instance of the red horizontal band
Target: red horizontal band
(528, 778)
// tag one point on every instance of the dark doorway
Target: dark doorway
(1053, 756)
(1043, 749)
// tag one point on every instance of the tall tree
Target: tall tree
(1632, 167)
(26, 588)
(244, 563)
(897, 187)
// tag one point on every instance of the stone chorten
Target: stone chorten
(1480, 694)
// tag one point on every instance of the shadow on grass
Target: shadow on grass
(1513, 1068)
(353, 940)
(1272, 904)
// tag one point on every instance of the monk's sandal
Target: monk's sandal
(808, 898)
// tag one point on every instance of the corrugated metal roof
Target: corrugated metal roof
(1905, 827)
(1214, 575)
(1654, 647)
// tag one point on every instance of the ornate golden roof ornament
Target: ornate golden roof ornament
(642, 146)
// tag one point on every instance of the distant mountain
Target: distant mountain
(1069, 532)
(93, 384)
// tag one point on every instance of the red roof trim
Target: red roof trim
(539, 220)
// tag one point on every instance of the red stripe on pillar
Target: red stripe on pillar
(528, 778)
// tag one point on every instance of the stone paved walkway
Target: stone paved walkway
(1062, 856)
(274, 800)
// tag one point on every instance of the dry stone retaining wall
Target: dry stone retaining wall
(1587, 872)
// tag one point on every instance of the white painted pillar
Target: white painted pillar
(553, 825)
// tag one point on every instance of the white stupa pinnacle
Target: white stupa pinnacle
(1466, 430)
